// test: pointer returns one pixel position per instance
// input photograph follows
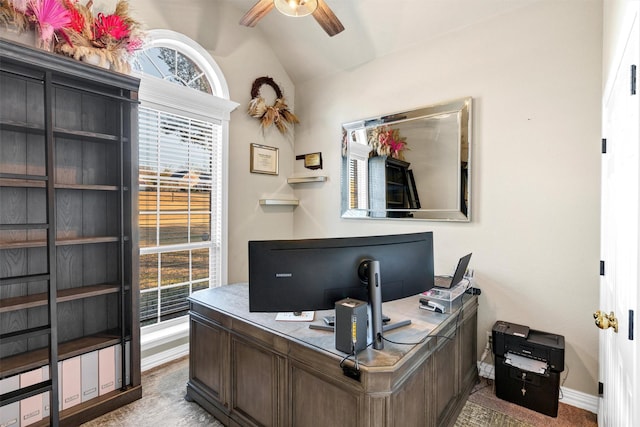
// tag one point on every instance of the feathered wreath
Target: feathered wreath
(277, 114)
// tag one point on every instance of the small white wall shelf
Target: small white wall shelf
(279, 202)
(303, 179)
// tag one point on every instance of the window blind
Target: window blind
(179, 211)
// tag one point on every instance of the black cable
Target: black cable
(344, 359)
(455, 333)
(480, 388)
(419, 342)
(458, 315)
(353, 353)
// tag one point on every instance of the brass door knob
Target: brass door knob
(605, 321)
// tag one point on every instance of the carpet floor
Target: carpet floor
(163, 404)
(568, 416)
(474, 415)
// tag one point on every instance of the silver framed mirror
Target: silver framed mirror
(413, 164)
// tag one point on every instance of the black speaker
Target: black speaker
(351, 325)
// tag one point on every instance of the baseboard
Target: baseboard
(579, 399)
(163, 357)
(568, 396)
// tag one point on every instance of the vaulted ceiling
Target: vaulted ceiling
(373, 28)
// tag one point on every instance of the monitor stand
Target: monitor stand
(371, 270)
(392, 326)
(386, 327)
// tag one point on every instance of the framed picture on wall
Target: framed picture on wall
(264, 159)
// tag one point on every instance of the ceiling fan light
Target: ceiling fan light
(296, 8)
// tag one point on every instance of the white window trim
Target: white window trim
(155, 93)
(169, 331)
(183, 44)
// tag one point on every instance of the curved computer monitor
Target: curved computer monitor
(312, 274)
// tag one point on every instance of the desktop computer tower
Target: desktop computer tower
(351, 325)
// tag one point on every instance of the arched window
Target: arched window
(183, 136)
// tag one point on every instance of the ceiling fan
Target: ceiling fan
(318, 8)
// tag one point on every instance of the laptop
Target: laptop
(448, 282)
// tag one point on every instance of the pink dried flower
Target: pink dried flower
(133, 45)
(396, 147)
(391, 141)
(50, 15)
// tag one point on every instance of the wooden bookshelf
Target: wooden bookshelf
(68, 218)
(40, 299)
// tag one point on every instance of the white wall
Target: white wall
(535, 76)
(243, 56)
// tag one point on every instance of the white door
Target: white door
(620, 352)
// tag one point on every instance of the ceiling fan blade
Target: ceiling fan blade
(327, 19)
(256, 13)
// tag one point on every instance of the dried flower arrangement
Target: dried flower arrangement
(385, 141)
(43, 16)
(277, 114)
(70, 28)
(13, 14)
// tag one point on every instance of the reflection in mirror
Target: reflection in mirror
(414, 164)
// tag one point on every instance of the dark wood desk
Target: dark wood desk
(247, 369)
